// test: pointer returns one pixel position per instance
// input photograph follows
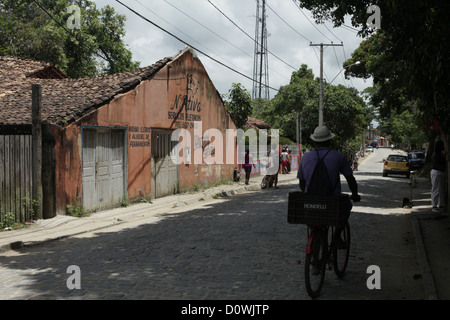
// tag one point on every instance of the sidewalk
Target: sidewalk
(432, 232)
(61, 227)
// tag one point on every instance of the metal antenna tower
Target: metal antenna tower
(260, 64)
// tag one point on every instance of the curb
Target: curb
(422, 256)
(17, 245)
(210, 194)
(12, 246)
(428, 280)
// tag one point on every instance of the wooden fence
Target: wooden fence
(16, 176)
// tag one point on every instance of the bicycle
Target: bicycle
(320, 214)
(265, 182)
(322, 252)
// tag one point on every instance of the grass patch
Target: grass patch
(9, 223)
(76, 210)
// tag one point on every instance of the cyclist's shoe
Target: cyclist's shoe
(338, 243)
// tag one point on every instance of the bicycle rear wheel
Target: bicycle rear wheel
(315, 264)
(340, 256)
(264, 182)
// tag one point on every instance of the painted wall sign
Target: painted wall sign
(184, 111)
(139, 136)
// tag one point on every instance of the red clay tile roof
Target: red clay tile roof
(257, 124)
(63, 100)
(17, 67)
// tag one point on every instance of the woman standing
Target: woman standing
(438, 177)
(284, 161)
(248, 165)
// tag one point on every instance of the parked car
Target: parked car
(369, 149)
(416, 159)
(396, 164)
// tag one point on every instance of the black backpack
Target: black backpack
(320, 183)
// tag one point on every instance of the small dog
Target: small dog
(407, 204)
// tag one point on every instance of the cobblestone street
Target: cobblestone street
(239, 247)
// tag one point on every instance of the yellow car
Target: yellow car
(396, 164)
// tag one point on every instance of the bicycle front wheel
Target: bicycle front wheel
(341, 255)
(315, 264)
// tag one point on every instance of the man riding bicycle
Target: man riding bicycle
(335, 163)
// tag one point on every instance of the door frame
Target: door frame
(154, 173)
(125, 155)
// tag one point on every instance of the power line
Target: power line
(348, 28)
(210, 30)
(321, 78)
(179, 30)
(213, 32)
(295, 32)
(186, 43)
(243, 31)
(248, 34)
(288, 24)
(313, 24)
(318, 59)
(172, 25)
(332, 32)
(200, 51)
(342, 44)
(337, 60)
(70, 33)
(345, 57)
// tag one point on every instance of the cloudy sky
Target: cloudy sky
(199, 23)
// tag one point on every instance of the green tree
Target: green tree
(344, 114)
(238, 103)
(29, 31)
(404, 130)
(391, 84)
(344, 110)
(415, 36)
(281, 111)
(390, 94)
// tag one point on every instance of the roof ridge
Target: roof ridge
(65, 100)
(13, 58)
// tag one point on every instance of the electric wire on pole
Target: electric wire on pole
(321, 45)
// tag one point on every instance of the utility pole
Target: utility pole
(321, 76)
(36, 128)
(260, 64)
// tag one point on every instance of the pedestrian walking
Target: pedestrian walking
(248, 165)
(274, 166)
(355, 163)
(289, 163)
(284, 161)
(438, 177)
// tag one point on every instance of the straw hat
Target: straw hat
(322, 134)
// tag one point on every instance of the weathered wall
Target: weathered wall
(171, 100)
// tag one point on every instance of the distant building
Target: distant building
(257, 124)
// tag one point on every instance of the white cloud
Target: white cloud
(209, 31)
